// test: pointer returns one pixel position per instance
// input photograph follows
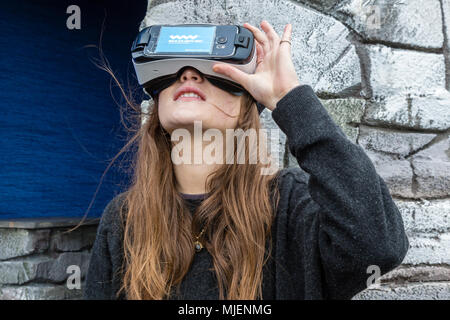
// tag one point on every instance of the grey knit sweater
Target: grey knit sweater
(335, 219)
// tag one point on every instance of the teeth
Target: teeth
(190, 94)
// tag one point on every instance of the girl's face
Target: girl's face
(178, 107)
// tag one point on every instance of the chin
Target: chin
(184, 115)
(188, 114)
(184, 121)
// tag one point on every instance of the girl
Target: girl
(225, 231)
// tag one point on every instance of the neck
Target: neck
(191, 178)
(191, 174)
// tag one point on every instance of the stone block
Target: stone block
(346, 113)
(46, 268)
(24, 270)
(321, 5)
(428, 249)
(20, 242)
(391, 141)
(445, 6)
(39, 291)
(425, 112)
(433, 179)
(76, 240)
(341, 77)
(412, 23)
(396, 173)
(432, 168)
(276, 139)
(416, 291)
(389, 71)
(417, 274)
(57, 271)
(428, 217)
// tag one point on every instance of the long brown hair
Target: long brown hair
(159, 228)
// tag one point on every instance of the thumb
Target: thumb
(233, 73)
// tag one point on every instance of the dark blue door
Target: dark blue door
(59, 126)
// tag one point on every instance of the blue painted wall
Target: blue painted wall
(59, 126)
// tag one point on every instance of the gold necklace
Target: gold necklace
(197, 244)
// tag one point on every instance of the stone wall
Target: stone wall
(40, 260)
(382, 70)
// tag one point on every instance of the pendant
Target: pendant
(198, 246)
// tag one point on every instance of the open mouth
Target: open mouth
(189, 93)
(189, 96)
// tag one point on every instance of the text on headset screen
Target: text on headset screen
(191, 39)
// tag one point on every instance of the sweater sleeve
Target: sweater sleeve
(101, 279)
(356, 224)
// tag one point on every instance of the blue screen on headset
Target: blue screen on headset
(185, 40)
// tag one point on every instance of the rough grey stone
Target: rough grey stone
(341, 77)
(21, 242)
(39, 292)
(276, 139)
(425, 216)
(391, 141)
(419, 291)
(291, 161)
(389, 72)
(346, 113)
(75, 240)
(42, 268)
(427, 112)
(321, 5)
(24, 270)
(445, 6)
(428, 249)
(414, 23)
(57, 271)
(417, 274)
(320, 48)
(432, 179)
(432, 168)
(397, 173)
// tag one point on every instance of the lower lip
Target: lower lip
(189, 99)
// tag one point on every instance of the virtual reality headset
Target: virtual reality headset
(160, 53)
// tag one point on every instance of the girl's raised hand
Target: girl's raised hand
(275, 73)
